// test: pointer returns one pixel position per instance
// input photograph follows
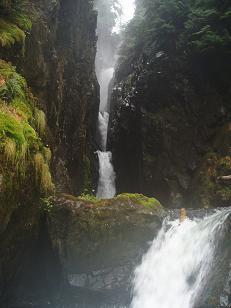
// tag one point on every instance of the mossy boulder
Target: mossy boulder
(99, 236)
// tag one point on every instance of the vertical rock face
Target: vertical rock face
(59, 66)
(162, 134)
(170, 104)
(57, 62)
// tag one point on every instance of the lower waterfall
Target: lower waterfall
(106, 186)
(176, 269)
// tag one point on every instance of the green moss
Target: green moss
(140, 199)
(43, 176)
(14, 22)
(11, 128)
(20, 142)
(10, 34)
(40, 119)
(47, 154)
(88, 198)
(22, 21)
(14, 85)
(22, 108)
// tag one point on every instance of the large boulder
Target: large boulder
(100, 242)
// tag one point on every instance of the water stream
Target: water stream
(106, 185)
(180, 262)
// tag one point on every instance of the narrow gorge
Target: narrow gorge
(115, 153)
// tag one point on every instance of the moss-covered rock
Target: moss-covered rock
(22, 151)
(91, 234)
(140, 200)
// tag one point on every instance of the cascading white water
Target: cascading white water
(176, 268)
(103, 119)
(104, 81)
(106, 186)
(105, 66)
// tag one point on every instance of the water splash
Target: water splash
(174, 271)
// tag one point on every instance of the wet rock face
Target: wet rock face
(163, 124)
(100, 243)
(59, 66)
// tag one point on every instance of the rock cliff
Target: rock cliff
(48, 113)
(58, 63)
(170, 102)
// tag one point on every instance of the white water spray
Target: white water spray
(106, 185)
(105, 67)
(176, 268)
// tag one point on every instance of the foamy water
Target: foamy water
(175, 270)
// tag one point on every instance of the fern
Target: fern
(20, 145)
(40, 121)
(10, 34)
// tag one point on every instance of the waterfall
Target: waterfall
(106, 186)
(104, 81)
(106, 58)
(103, 119)
(175, 270)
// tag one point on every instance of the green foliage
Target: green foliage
(46, 205)
(11, 128)
(181, 30)
(140, 200)
(14, 22)
(20, 143)
(22, 108)
(14, 86)
(88, 197)
(10, 34)
(40, 120)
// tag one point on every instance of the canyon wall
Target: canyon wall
(59, 65)
(56, 57)
(170, 123)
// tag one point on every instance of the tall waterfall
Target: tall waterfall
(105, 66)
(106, 185)
(176, 268)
